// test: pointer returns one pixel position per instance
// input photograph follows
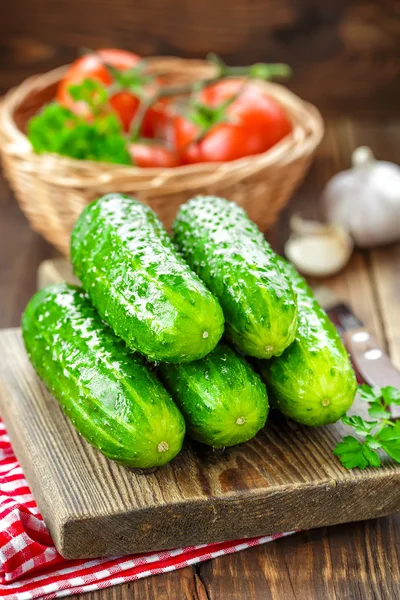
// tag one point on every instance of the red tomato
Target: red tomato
(91, 66)
(216, 93)
(157, 120)
(124, 103)
(151, 154)
(254, 123)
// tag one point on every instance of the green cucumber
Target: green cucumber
(109, 395)
(233, 258)
(223, 400)
(313, 381)
(140, 285)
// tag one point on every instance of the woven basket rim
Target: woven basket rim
(65, 171)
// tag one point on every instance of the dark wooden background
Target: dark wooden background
(346, 57)
(345, 53)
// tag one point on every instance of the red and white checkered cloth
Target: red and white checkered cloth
(30, 566)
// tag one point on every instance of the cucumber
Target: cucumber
(109, 395)
(313, 381)
(140, 285)
(223, 400)
(233, 258)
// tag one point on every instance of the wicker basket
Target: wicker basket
(53, 190)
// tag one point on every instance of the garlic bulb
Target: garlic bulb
(365, 199)
(318, 249)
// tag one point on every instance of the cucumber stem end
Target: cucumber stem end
(162, 447)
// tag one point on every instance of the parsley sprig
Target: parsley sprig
(378, 434)
(93, 93)
(58, 130)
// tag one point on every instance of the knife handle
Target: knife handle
(373, 364)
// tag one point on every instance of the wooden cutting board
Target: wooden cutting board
(284, 479)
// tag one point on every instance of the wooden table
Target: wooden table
(357, 561)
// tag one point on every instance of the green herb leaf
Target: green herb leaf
(360, 426)
(369, 394)
(93, 93)
(353, 453)
(371, 456)
(389, 439)
(372, 442)
(57, 130)
(390, 395)
(377, 411)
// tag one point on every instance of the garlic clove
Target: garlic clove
(303, 226)
(318, 249)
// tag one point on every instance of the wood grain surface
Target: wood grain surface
(54, 270)
(285, 479)
(344, 53)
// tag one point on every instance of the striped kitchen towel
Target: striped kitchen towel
(31, 567)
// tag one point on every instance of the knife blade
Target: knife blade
(371, 361)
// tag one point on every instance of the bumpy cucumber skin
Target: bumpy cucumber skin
(313, 381)
(109, 395)
(223, 400)
(140, 285)
(232, 257)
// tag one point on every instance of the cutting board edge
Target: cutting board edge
(350, 497)
(71, 534)
(220, 511)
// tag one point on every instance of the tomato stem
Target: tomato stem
(257, 71)
(261, 71)
(136, 124)
(206, 117)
